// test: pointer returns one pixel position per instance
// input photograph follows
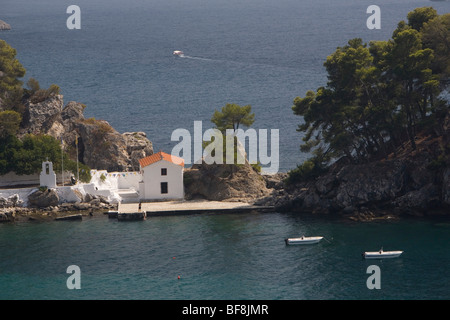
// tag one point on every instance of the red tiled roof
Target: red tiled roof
(160, 156)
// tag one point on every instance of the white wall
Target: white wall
(152, 181)
(11, 179)
(129, 180)
(115, 180)
(66, 194)
(22, 193)
(109, 183)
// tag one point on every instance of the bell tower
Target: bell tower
(48, 176)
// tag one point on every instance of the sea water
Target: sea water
(262, 53)
(224, 257)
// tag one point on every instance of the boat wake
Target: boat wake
(195, 58)
(180, 54)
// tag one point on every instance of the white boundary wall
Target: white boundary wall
(11, 179)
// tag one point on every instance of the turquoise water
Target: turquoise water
(258, 52)
(225, 257)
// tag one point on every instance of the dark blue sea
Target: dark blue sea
(258, 52)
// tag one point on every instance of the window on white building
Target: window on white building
(164, 187)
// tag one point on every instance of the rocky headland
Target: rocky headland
(100, 146)
(410, 182)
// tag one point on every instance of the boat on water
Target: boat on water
(178, 53)
(381, 254)
(303, 240)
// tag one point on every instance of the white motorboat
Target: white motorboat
(303, 240)
(178, 53)
(381, 254)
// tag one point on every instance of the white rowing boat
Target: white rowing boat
(303, 240)
(381, 254)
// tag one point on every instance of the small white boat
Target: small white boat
(178, 53)
(381, 254)
(303, 240)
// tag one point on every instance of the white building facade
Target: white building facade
(162, 177)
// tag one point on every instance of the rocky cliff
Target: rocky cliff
(409, 182)
(224, 182)
(100, 146)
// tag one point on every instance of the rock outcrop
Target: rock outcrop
(412, 182)
(138, 147)
(43, 199)
(100, 146)
(10, 202)
(4, 25)
(43, 117)
(219, 182)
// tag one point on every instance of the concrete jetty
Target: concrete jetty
(131, 216)
(70, 217)
(131, 211)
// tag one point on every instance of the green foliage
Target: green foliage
(35, 94)
(257, 166)
(33, 86)
(308, 170)
(436, 36)
(13, 100)
(33, 151)
(377, 96)
(10, 70)
(232, 116)
(9, 145)
(26, 156)
(84, 172)
(12, 94)
(9, 122)
(419, 16)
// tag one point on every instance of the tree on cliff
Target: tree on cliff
(436, 36)
(378, 96)
(9, 123)
(232, 116)
(418, 17)
(10, 71)
(25, 156)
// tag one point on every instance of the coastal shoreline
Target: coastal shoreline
(25, 214)
(79, 211)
